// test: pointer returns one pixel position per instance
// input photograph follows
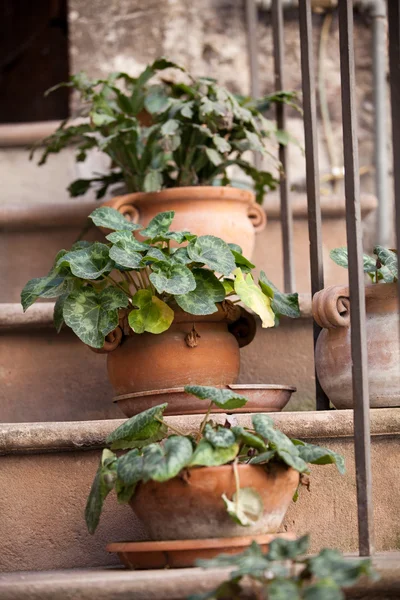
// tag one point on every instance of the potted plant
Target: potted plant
(171, 143)
(165, 315)
(209, 484)
(285, 572)
(331, 310)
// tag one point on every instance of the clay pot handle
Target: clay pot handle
(112, 342)
(331, 307)
(257, 216)
(126, 206)
(244, 328)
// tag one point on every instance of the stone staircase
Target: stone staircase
(56, 410)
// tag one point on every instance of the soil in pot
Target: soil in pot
(190, 506)
(226, 212)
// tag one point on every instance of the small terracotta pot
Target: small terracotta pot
(226, 212)
(195, 349)
(331, 310)
(191, 506)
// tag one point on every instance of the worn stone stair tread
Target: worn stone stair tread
(168, 584)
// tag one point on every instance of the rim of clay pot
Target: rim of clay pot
(196, 192)
(178, 390)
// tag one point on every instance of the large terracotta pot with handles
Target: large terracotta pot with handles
(331, 310)
(194, 350)
(226, 212)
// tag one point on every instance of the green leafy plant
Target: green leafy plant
(284, 573)
(382, 268)
(150, 458)
(197, 129)
(146, 281)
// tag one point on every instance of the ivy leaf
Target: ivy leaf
(208, 291)
(163, 463)
(220, 437)
(90, 262)
(206, 455)
(108, 217)
(102, 485)
(279, 442)
(281, 304)
(225, 399)
(125, 237)
(159, 225)
(173, 279)
(246, 506)
(213, 252)
(248, 439)
(254, 298)
(153, 181)
(140, 430)
(388, 259)
(152, 315)
(317, 455)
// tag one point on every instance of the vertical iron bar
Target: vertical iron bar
(312, 168)
(251, 21)
(394, 65)
(286, 212)
(362, 440)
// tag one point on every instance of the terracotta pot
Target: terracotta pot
(228, 213)
(331, 310)
(193, 350)
(191, 506)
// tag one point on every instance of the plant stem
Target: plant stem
(118, 285)
(130, 277)
(204, 421)
(178, 431)
(142, 283)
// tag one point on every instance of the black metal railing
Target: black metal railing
(362, 438)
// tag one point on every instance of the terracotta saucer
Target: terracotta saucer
(262, 398)
(183, 553)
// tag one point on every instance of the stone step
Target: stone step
(167, 584)
(39, 365)
(47, 469)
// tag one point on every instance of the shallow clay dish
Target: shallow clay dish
(262, 398)
(183, 553)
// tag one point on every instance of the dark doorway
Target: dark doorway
(33, 57)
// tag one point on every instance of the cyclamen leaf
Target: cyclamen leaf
(92, 315)
(154, 255)
(281, 589)
(388, 259)
(281, 304)
(90, 262)
(170, 127)
(242, 262)
(246, 506)
(221, 144)
(129, 472)
(125, 237)
(163, 463)
(250, 562)
(213, 252)
(208, 291)
(330, 564)
(58, 317)
(159, 225)
(140, 430)
(153, 181)
(57, 282)
(206, 455)
(153, 315)
(281, 549)
(248, 438)
(317, 455)
(254, 298)
(173, 279)
(102, 485)
(108, 217)
(181, 257)
(214, 156)
(226, 399)
(220, 437)
(323, 590)
(235, 247)
(279, 442)
(125, 256)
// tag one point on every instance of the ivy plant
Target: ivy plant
(149, 279)
(283, 572)
(383, 267)
(158, 451)
(196, 130)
